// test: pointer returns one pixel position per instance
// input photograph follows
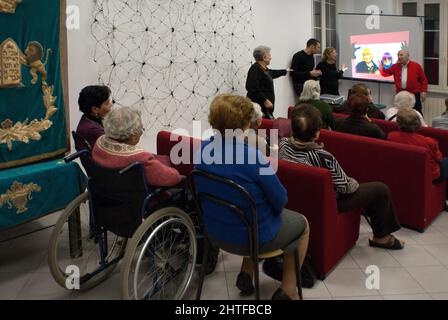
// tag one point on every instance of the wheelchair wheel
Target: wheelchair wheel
(160, 257)
(75, 244)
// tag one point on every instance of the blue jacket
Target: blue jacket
(269, 194)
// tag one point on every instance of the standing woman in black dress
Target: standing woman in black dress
(260, 84)
(329, 80)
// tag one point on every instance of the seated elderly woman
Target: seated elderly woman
(373, 197)
(117, 148)
(408, 121)
(358, 122)
(278, 227)
(311, 95)
(403, 100)
(95, 103)
(372, 111)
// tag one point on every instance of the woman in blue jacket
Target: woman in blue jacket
(226, 155)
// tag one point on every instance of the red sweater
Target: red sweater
(115, 155)
(417, 81)
(416, 139)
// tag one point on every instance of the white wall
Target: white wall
(82, 70)
(284, 27)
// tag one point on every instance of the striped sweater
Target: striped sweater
(312, 154)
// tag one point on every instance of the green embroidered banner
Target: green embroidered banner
(33, 123)
(30, 192)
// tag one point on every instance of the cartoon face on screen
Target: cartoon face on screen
(367, 65)
(387, 60)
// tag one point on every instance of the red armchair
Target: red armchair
(310, 192)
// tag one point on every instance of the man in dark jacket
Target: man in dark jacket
(303, 65)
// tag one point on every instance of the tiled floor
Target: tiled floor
(420, 271)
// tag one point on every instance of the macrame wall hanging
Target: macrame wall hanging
(169, 58)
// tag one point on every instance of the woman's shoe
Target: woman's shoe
(392, 244)
(279, 294)
(244, 283)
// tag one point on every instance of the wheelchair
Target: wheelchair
(114, 221)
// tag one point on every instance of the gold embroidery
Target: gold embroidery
(10, 60)
(9, 6)
(10, 76)
(33, 55)
(18, 196)
(26, 131)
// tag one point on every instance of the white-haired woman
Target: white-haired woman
(259, 82)
(117, 148)
(403, 100)
(311, 95)
(254, 138)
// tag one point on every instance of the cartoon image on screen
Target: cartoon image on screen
(367, 65)
(387, 61)
(370, 52)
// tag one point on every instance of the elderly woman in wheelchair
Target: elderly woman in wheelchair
(114, 220)
(230, 182)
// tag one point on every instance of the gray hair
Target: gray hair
(121, 123)
(258, 114)
(404, 99)
(260, 52)
(311, 90)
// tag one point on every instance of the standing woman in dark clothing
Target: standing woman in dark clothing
(329, 80)
(260, 84)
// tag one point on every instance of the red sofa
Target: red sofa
(404, 168)
(310, 192)
(388, 126)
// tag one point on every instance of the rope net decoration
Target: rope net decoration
(170, 58)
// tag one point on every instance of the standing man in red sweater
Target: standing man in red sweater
(409, 76)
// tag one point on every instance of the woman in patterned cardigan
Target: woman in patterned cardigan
(373, 197)
(118, 148)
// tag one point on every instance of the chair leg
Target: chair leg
(256, 278)
(298, 273)
(202, 270)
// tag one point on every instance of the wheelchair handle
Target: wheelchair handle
(75, 155)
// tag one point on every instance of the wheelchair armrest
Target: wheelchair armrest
(75, 155)
(129, 167)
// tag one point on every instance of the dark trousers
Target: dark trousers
(375, 199)
(267, 113)
(443, 171)
(298, 88)
(418, 103)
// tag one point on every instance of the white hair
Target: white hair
(121, 123)
(404, 99)
(260, 52)
(258, 114)
(311, 90)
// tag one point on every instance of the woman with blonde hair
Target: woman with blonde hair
(329, 80)
(311, 95)
(278, 227)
